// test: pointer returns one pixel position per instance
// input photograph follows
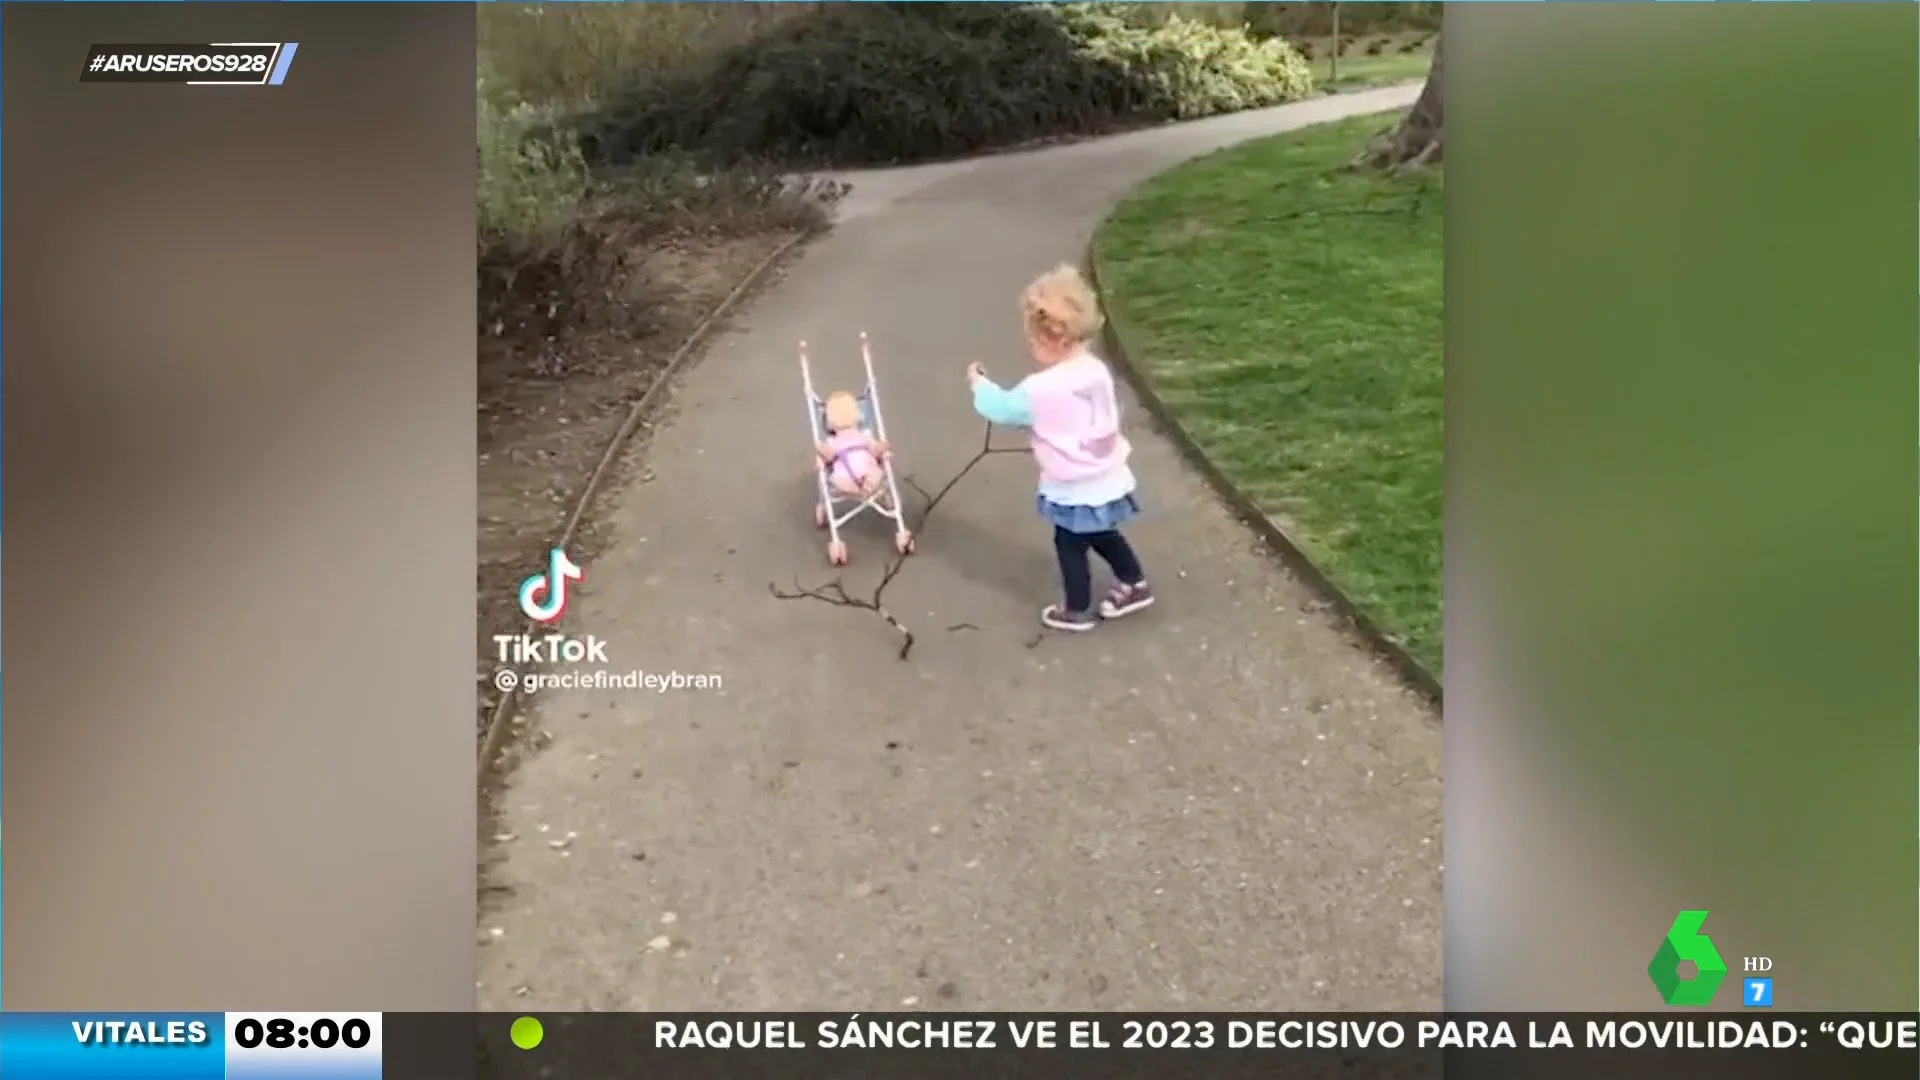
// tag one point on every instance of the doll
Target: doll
(850, 453)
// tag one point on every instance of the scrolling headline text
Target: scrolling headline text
(614, 1046)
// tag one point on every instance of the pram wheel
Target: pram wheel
(819, 516)
(837, 552)
(903, 542)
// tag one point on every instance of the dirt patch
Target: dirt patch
(550, 399)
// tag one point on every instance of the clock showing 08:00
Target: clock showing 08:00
(310, 1046)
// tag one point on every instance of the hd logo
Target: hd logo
(1684, 941)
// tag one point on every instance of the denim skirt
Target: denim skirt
(1087, 519)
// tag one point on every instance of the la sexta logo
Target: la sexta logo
(544, 596)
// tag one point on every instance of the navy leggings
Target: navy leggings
(1075, 573)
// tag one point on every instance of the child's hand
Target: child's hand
(975, 373)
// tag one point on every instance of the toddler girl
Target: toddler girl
(1072, 416)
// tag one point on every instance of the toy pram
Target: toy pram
(884, 501)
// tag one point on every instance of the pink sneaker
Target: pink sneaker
(1124, 600)
(1055, 617)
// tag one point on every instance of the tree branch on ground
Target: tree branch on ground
(835, 592)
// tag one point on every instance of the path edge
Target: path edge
(1376, 638)
(500, 721)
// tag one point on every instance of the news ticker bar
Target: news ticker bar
(257, 63)
(367, 1046)
(191, 1046)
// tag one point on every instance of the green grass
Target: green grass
(1289, 313)
(1356, 70)
(1360, 72)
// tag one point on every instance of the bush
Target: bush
(881, 83)
(1316, 20)
(528, 186)
(1191, 69)
(575, 53)
(561, 254)
(562, 250)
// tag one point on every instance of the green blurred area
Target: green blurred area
(1682, 391)
(1288, 312)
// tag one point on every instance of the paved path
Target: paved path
(1222, 803)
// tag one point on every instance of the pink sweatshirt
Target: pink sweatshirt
(1076, 421)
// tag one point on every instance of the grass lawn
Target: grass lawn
(1361, 72)
(1289, 313)
(1356, 70)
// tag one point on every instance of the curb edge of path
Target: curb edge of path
(500, 720)
(1410, 670)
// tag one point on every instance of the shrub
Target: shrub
(671, 193)
(1191, 69)
(883, 83)
(528, 186)
(1316, 19)
(562, 251)
(1153, 14)
(576, 53)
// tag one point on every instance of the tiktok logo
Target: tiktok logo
(544, 596)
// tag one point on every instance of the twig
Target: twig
(834, 592)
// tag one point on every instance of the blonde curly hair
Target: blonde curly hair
(1060, 307)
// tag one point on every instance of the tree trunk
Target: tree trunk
(1417, 139)
(1333, 62)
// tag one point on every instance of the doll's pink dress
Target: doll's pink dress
(853, 459)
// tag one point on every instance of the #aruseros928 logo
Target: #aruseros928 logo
(1683, 942)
